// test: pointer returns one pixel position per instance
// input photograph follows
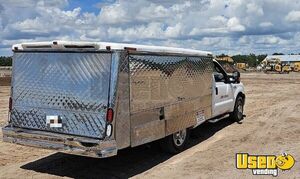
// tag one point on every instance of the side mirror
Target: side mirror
(237, 76)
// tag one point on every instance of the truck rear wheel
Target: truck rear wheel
(176, 142)
(237, 115)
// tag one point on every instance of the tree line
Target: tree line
(252, 60)
(5, 61)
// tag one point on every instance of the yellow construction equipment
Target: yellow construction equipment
(296, 67)
(275, 65)
(282, 68)
(227, 63)
(241, 66)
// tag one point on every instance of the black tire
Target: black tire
(237, 115)
(169, 144)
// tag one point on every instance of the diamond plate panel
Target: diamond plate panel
(180, 84)
(34, 118)
(157, 81)
(72, 85)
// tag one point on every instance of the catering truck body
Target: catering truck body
(94, 99)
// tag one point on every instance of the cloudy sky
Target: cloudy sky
(220, 26)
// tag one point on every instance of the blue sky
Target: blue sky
(220, 26)
(86, 5)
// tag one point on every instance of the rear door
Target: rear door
(61, 92)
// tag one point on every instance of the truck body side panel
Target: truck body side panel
(167, 94)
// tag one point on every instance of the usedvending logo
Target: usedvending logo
(264, 164)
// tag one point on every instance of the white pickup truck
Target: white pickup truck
(229, 94)
(94, 99)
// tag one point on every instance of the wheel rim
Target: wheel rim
(179, 137)
(240, 109)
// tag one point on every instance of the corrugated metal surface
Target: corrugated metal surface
(73, 86)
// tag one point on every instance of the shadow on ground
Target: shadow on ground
(129, 162)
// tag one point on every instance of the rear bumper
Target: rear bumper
(65, 143)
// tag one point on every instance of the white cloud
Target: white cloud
(293, 16)
(254, 9)
(266, 24)
(150, 31)
(219, 19)
(244, 40)
(269, 40)
(211, 41)
(174, 31)
(234, 25)
(208, 31)
(112, 14)
(152, 12)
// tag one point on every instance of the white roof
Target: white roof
(98, 46)
(285, 58)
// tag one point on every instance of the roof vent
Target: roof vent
(79, 46)
(38, 46)
(130, 48)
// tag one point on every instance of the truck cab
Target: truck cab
(228, 94)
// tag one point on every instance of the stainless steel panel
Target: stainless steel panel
(183, 114)
(73, 86)
(146, 127)
(180, 84)
(114, 79)
(121, 100)
(157, 81)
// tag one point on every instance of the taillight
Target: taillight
(110, 115)
(10, 104)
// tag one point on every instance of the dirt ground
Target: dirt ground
(272, 126)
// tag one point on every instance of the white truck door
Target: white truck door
(222, 92)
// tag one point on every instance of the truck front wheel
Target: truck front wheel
(176, 142)
(237, 115)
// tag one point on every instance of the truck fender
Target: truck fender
(239, 92)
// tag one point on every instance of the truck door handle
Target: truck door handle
(217, 91)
